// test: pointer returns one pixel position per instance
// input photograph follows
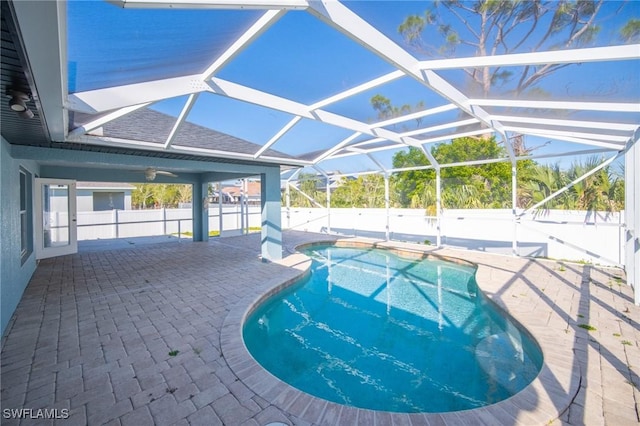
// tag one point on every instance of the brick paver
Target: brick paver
(136, 336)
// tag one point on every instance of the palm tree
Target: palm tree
(544, 181)
(596, 192)
(461, 197)
(601, 191)
(425, 198)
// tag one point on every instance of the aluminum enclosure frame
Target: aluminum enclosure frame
(43, 30)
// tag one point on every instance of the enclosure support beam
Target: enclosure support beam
(186, 109)
(242, 207)
(438, 209)
(305, 195)
(245, 183)
(328, 191)
(271, 231)
(632, 216)
(328, 205)
(514, 207)
(386, 205)
(220, 216)
(287, 189)
(287, 197)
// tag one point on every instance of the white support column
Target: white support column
(328, 205)
(386, 204)
(242, 207)
(386, 191)
(632, 219)
(246, 206)
(287, 197)
(514, 207)
(326, 176)
(636, 213)
(438, 209)
(220, 216)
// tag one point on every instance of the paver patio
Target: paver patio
(148, 335)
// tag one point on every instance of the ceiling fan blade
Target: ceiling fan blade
(166, 173)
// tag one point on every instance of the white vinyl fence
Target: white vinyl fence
(556, 234)
(143, 223)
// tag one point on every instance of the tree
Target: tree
(309, 184)
(630, 33)
(165, 195)
(544, 181)
(601, 191)
(485, 28)
(154, 195)
(364, 191)
(411, 185)
(597, 192)
(384, 109)
(487, 180)
(142, 195)
(184, 194)
(491, 27)
(489, 184)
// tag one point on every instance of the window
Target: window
(26, 222)
(108, 201)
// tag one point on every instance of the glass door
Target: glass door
(56, 233)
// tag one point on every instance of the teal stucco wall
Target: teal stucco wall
(271, 215)
(14, 273)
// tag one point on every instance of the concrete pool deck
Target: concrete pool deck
(150, 335)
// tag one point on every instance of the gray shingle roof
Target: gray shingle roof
(153, 126)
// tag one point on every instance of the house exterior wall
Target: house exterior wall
(86, 199)
(271, 228)
(15, 272)
(108, 201)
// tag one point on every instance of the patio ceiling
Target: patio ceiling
(295, 79)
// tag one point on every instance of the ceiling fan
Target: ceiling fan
(150, 173)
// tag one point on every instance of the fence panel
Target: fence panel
(557, 234)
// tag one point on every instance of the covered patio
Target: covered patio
(146, 335)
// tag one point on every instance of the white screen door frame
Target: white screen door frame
(56, 226)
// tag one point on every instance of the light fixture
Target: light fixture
(18, 103)
(150, 174)
(27, 113)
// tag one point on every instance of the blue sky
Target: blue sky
(300, 58)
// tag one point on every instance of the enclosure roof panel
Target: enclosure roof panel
(312, 83)
(110, 46)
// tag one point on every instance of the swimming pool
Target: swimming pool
(374, 330)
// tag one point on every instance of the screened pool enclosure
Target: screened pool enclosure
(337, 90)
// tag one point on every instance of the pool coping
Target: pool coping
(542, 401)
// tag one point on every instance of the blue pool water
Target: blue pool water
(373, 330)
